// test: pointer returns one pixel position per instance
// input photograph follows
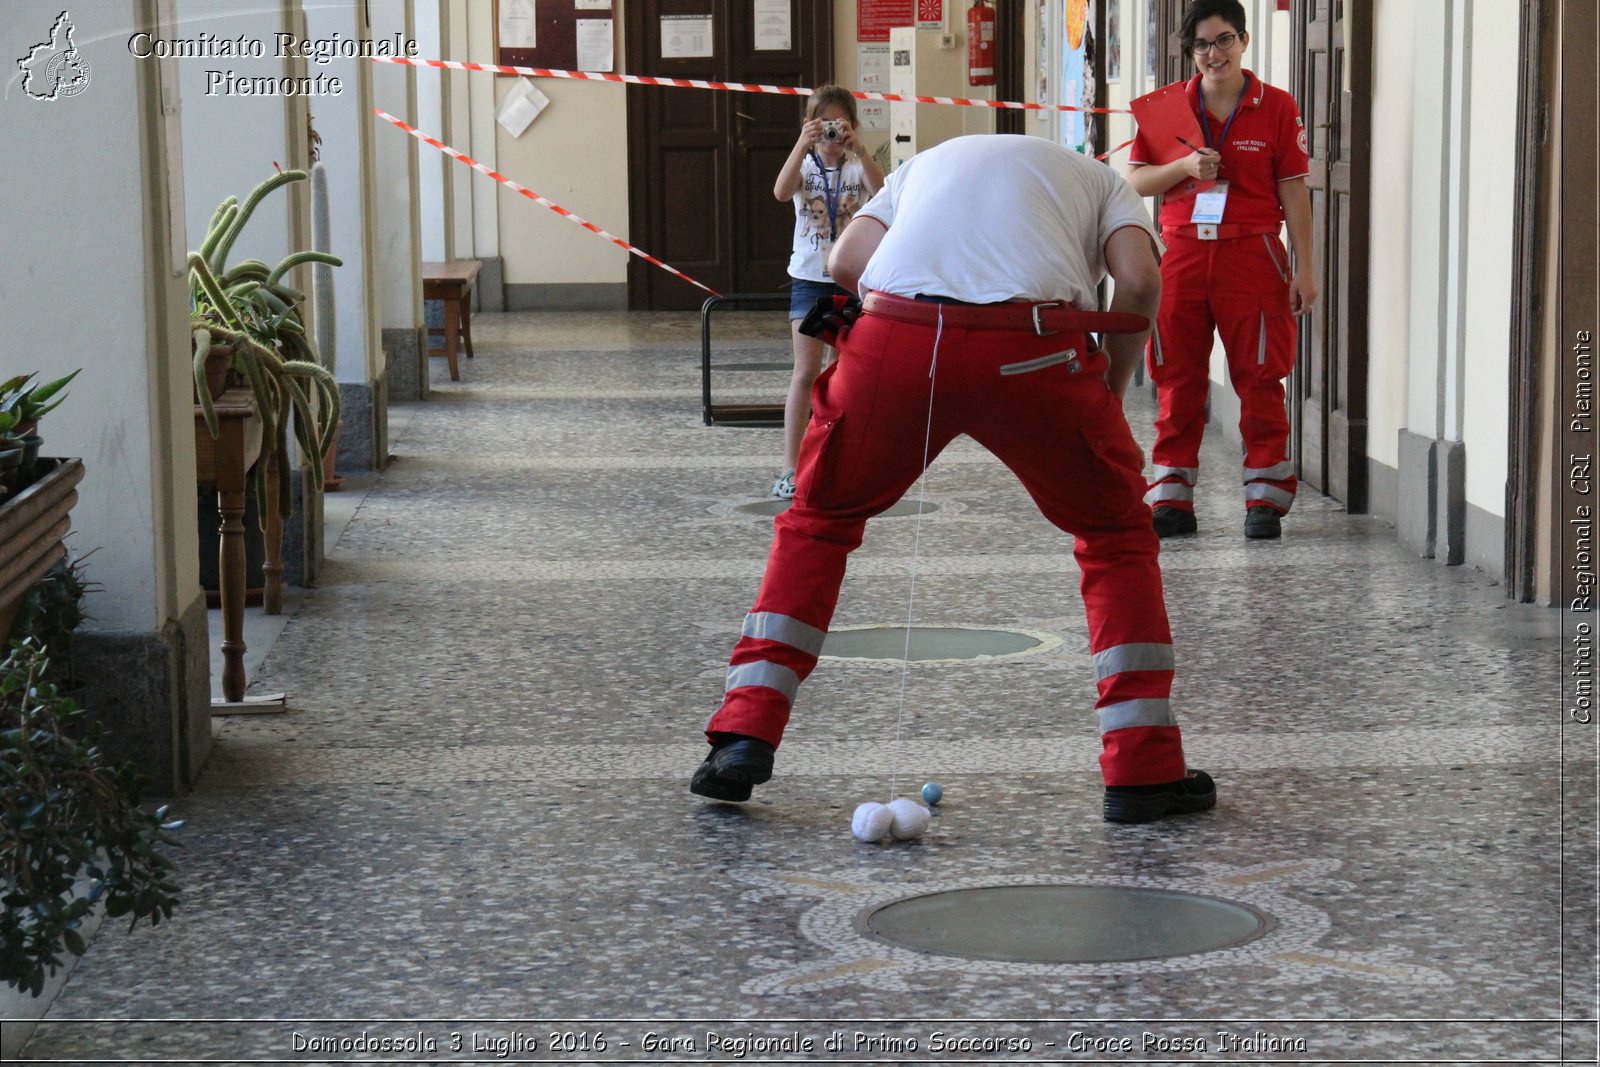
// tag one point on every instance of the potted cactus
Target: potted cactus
(250, 318)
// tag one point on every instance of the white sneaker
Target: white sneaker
(784, 486)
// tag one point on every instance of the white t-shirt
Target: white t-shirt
(1035, 217)
(846, 186)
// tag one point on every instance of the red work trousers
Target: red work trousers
(1238, 287)
(1057, 426)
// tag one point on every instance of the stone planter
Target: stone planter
(32, 526)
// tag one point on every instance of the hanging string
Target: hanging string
(916, 545)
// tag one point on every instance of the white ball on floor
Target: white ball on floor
(910, 819)
(872, 821)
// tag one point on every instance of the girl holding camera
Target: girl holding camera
(827, 165)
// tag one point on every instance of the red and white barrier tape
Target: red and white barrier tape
(536, 198)
(737, 87)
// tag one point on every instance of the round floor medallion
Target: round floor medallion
(942, 644)
(899, 508)
(1063, 923)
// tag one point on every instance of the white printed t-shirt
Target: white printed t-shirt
(1035, 218)
(812, 237)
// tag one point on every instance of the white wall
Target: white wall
(461, 189)
(399, 229)
(345, 124)
(1487, 295)
(431, 162)
(1389, 329)
(94, 281)
(576, 155)
(484, 134)
(233, 140)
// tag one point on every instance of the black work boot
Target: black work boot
(735, 764)
(1170, 521)
(1146, 803)
(1262, 523)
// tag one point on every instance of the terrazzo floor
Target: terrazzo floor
(470, 838)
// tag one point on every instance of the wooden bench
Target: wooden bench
(452, 284)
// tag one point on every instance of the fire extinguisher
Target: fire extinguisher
(980, 44)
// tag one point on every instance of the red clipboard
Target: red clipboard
(1165, 121)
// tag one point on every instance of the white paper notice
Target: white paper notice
(872, 66)
(521, 106)
(594, 45)
(518, 28)
(686, 37)
(772, 26)
(591, 5)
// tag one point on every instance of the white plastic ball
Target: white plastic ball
(932, 793)
(872, 821)
(910, 819)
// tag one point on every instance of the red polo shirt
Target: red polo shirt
(1266, 144)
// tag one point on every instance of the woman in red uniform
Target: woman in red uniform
(1226, 270)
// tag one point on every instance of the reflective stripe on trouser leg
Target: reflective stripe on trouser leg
(769, 633)
(1138, 730)
(1173, 486)
(1274, 485)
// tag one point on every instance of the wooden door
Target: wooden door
(701, 163)
(1328, 395)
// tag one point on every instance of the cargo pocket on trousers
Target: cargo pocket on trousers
(819, 466)
(1275, 337)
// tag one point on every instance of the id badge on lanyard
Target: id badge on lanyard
(1209, 205)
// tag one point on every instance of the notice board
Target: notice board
(555, 34)
(875, 18)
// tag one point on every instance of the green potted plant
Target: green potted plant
(249, 319)
(67, 817)
(26, 404)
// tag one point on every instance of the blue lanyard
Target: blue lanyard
(830, 196)
(1205, 126)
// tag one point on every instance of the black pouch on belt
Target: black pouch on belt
(830, 318)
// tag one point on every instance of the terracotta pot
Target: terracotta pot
(218, 362)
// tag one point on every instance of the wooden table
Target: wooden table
(451, 283)
(223, 462)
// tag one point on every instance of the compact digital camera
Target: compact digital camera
(832, 130)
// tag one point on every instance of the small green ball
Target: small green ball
(933, 792)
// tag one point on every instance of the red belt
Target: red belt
(1041, 318)
(1215, 231)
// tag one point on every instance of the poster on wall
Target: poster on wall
(1077, 75)
(773, 19)
(558, 34)
(875, 18)
(930, 14)
(1150, 42)
(687, 37)
(1114, 41)
(1041, 60)
(872, 71)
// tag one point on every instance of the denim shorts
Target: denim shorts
(803, 296)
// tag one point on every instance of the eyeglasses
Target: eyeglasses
(1223, 42)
